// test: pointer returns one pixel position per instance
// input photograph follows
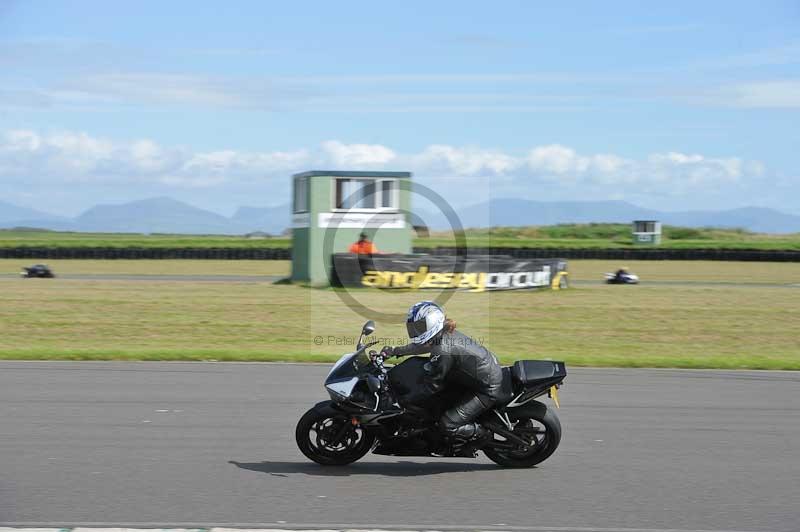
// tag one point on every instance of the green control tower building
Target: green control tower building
(646, 232)
(331, 208)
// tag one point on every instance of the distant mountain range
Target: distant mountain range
(10, 213)
(154, 215)
(166, 215)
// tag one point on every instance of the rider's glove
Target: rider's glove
(387, 351)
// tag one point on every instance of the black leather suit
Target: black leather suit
(456, 359)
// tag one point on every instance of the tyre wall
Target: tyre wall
(285, 253)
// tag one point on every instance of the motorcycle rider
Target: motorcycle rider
(455, 359)
(620, 274)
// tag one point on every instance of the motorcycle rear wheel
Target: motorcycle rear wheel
(316, 435)
(544, 430)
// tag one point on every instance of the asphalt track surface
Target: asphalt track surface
(204, 444)
(273, 278)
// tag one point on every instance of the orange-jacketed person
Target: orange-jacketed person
(363, 246)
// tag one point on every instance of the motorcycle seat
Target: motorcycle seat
(531, 371)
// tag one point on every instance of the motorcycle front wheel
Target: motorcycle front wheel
(331, 439)
(543, 431)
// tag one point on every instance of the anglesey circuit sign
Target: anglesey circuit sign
(472, 281)
(476, 274)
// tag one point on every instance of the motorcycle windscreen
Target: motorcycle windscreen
(362, 359)
(349, 365)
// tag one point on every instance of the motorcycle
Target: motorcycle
(625, 278)
(37, 270)
(363, 414)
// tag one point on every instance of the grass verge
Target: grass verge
(580, 270)
(753, 327)
(153, 267)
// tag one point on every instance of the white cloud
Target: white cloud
(66, 153)
(62, 157)
(463, 161)
(77, 153)
(21, 140)
(560, 163)
(341, 154)
(148, 156)
(76, 156)
(556, 159)
(681, 173)
(608, 163)
(230, 165)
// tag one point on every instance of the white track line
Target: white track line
(294, 527)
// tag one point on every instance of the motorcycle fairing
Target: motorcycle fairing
(343, 388)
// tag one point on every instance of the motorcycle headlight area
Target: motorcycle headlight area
(342, 389)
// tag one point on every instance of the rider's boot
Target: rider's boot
(460, 426)
(470, 432)
(469, 438)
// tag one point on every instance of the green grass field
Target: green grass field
(154, 267)
(588, 236)
(557, 236)
(55, 239)
(581, 270)
(644, 326)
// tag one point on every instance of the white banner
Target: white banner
(362, 220)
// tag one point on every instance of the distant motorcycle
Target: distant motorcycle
(622, 278)
(37, 270)
(363, 414)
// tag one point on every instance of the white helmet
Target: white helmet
(424, 321)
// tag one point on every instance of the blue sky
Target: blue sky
(679, 105)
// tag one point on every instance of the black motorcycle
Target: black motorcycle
(621, 278)
(363, 414)
(37, 270)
